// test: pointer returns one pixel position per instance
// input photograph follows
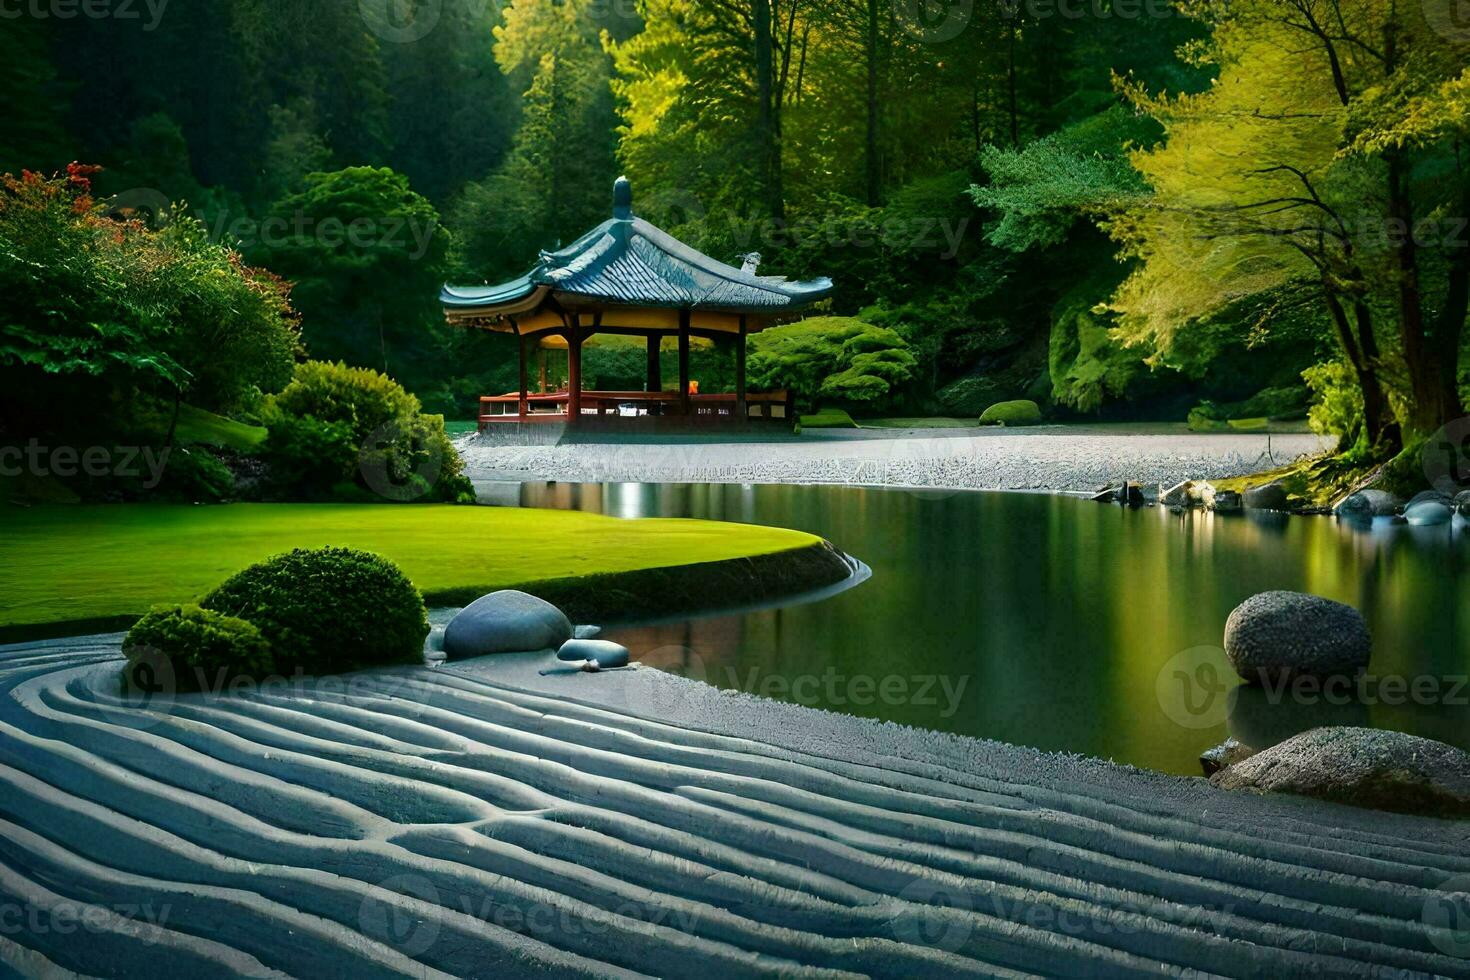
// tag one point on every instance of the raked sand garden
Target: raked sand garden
(488, 819)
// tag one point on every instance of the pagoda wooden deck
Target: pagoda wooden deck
(640, 409)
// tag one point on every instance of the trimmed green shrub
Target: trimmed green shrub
(202, 647)
(329, 609)
(828, 418)
(1268, 403)
(1019, 412)
(835, 357)
(335, 425)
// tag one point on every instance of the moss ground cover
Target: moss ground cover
(99, 563)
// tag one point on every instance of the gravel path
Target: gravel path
(1058, 458)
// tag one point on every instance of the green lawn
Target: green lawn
(197, 425)
(98, 562)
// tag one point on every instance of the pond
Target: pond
(1060, 623)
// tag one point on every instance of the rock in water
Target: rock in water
(1224, 755)
(1367, 504)
(1361, 767)
(603, 653)
(505, 622)
(1276, 636)
(1178, 495)
(1225, 502)
(1428, 512)
(1429, 507)
(1272, 496)
(1462, 503)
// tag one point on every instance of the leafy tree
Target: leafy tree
(1335, 127)
(365, 251)
(100, 313)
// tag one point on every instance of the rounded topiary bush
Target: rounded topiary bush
(1019, 412)
(329, 609)
(202, 647)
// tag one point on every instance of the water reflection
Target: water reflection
(1047, 621)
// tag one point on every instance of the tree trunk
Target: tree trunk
(1364, 370)
(1011, 79)
(1430, 358)
(873, 165)
(768, 136)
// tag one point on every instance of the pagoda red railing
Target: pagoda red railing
(552, 407)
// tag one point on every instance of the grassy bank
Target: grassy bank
(105, 564)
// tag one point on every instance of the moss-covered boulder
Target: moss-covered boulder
(1019, 412)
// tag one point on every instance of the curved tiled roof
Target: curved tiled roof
(627, 261)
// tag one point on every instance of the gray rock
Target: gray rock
(586, 632)
(505, 622)
(1224, 755)
(1225, 502)
(1361, 767)
(1428, 512)
(1181, 494)
(1429, 507)
(603, 653)
(1271, 496)
(1367, 504)
(1276, 636)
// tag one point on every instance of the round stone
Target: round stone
(505, 622)
(1368, 504)
(1272, 496)
(1279, 635)
(1361, 767)
(603, 653)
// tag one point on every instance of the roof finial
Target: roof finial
(622, 198)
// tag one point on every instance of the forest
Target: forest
(1122, 209)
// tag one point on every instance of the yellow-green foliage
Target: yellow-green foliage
(842, 358)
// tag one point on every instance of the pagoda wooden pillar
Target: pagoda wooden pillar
(742, 413)
(684, 362)
(521, 343)
(574, 375)
(655, 376)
